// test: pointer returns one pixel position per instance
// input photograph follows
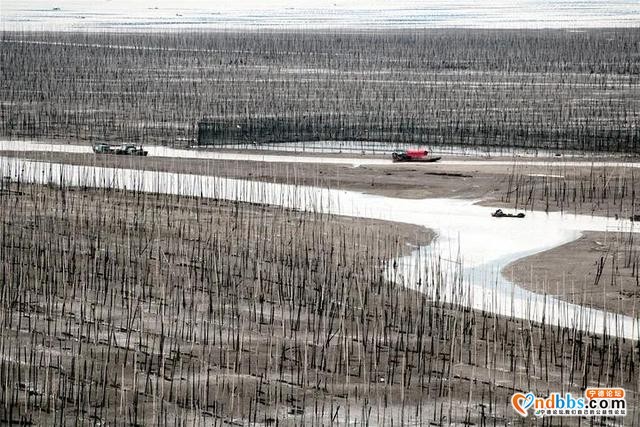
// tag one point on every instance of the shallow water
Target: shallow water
(471, 248)
(123, 15)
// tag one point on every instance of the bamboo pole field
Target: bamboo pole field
(536, 89)
(598, 190)
(127, 307)
(199, 291)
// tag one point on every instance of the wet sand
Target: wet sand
(598, 270)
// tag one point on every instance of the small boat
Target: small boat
(500, 214)
(124, 149)
(415, 156)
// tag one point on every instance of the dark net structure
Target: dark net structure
(310, 127)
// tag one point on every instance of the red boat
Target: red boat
(413, 156)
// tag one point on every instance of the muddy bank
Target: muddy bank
(399, 180)
(204, 307)
(195, 309)
(598, 270)
(516, 185)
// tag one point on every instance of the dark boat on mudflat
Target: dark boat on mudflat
(500, 214)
